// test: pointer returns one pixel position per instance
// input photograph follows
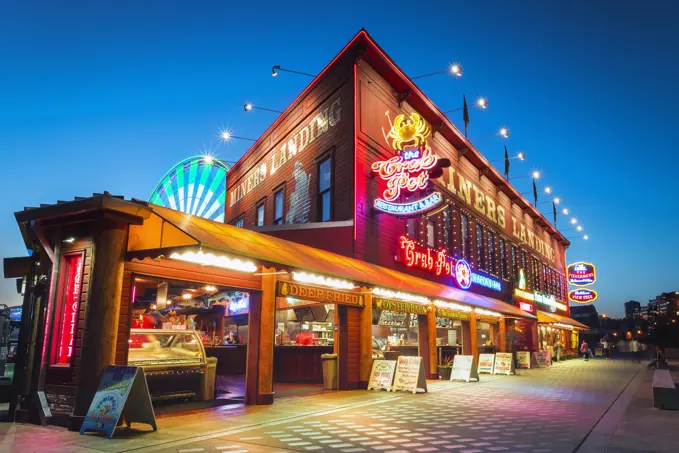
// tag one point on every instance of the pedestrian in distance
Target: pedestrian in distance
(635, 349)
(584, 350)
(659, 361)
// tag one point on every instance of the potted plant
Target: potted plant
(446, 368)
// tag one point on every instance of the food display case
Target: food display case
(173, 360)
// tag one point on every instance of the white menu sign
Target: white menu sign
(504, 363)
(463, 368)
(542, 359)
(409, 375)
(486, 362)
(382, 375)
(523, 359)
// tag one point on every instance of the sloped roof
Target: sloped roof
(544, 316)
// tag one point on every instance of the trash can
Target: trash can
(209, 380)
(329, 371)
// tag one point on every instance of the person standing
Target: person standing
(558, 347)
(584, 350)
(635, 350)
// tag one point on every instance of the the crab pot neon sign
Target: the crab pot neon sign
(408, 172)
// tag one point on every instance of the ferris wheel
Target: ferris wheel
(197, 186)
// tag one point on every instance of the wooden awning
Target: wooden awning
(168, 230)
(551, 318)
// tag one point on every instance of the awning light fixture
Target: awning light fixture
(320, 280)
(453, 306)
(401, 296)
(210, 259)
(483, 312)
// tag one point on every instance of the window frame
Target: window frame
(240, 219)
(492, 256)
(279, 190)
(327, 156)
(481, 247)
(465, 238)
(504, 271)
(261, 204)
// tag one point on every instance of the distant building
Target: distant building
(665, 303)
(587, 315)
(632, 308)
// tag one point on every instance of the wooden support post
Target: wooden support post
(366, 338)
(103, 310)
(261, 334)
(343, 347)
(466, 338)
(433, 350)
(474, 337)
(536, 338)
(503, 335)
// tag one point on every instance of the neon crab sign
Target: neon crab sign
(409, 171)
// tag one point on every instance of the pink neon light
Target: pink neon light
(69, 317)
(400, 173)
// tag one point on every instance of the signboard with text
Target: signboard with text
(321, 295)
(382, 375)
(409, 375)
(504, 363)
(464, 368)
(582, 295)
(542, 359)
(581, 274)
(403, 307)
(486, 362)
(122, 395)
(523, 359)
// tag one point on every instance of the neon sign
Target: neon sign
(407, 172)
(549, 300)
(526, 307)
(413, 207)
(582, 296)
(581, 274)
(486, 282)
(69, 316)
(463, 274)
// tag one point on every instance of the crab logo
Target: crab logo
(408, 132)
(463, 274)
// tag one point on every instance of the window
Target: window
(515, 269)
(480, 247)
(492, 263)
(431, 233)
(464, 228)
(278, 202)
(445, 234)
(411, 228)
(503, 259)
(239, 222)
(325, 190)
(259, 218)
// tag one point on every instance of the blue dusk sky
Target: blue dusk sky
(101, 96)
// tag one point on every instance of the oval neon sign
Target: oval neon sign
(581, 274)
(582, 296)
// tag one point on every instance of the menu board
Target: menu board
(523, 359)
(382, 375)
(504, 363)
(463, 368)
(542, 359)
(392, 318)
(486, 362)
(409, 375)
(122, 392)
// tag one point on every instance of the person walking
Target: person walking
(635, 349)
(584, 350)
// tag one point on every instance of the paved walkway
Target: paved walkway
(567, 408)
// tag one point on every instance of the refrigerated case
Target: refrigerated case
(173, 360)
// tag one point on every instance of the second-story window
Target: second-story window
(325, 190)
(259, 217)
(492, 258)
(503, 259)
(464, 232)
(278, 201)
(480, 246)
(431, 233)
(515, 270)
(239, 222)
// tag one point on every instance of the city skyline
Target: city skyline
(110, 106)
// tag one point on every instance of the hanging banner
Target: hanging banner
(504, 363)
(523, 359)
(409, 375)
(486, 362)
(581, 274)
(122, 392)
(464, 368)
(382, 375)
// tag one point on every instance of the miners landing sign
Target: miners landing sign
(581, 274)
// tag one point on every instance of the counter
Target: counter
(299, 363)
(405, 350)
(230, 358)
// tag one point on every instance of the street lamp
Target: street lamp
(481, 103)
(520, 156)
(225, 135)
(503, 132)
(275, 69)
(454, 69)
(249, 107)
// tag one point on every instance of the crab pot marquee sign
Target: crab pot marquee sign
(405, 188)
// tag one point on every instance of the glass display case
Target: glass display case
(173, 360)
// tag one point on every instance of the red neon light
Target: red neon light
(404, 174)
(69, 317)
(526, 307)
(436, 261)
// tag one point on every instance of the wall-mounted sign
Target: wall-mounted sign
(408, 172)
(526, 307)
(546, 299)
(397, 305)
(322, 295)
(582, 295)
(452, 314)
(581, 274)
(463, 274)
(486, 282)
(522, 279)
(71, 305)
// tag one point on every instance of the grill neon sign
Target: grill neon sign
(581, 274)
(71, 305)
(582, 296)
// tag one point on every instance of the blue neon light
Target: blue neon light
(413, 207)
(486, 282)
(463, 274)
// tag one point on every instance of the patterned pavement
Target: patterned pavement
(537, 411)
